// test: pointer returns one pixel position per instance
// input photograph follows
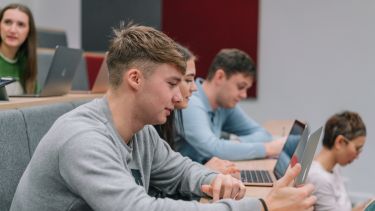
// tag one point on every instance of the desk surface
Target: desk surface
(267, 164)
(21, 102)
(276, 128)
(254, 191)
(279, 127)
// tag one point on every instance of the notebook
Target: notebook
(60, 74)
(305, 155)
(265, 177)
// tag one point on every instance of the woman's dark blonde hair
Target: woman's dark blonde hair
(27, 49)
(174, 124)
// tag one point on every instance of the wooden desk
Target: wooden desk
(21, 102)
(253, 191)
(266, 164)
(279, 127)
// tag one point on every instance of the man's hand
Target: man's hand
(222, 166)
(274, 148)
(284, 197)
(223, 187)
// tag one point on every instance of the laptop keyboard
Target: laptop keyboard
(255, 176)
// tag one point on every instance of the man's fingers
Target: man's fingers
(242, 192)
(216, 189)
(207, 189)
(308, 188)
(310, 201)
(231, 170)
(239, 190)
(228, 188)
(224, 186)
(289, 176)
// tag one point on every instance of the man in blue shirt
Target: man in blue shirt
(213, 109)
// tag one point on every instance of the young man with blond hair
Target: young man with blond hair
(104, 155)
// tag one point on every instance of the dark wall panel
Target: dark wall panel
(207, 26)
(99, 16)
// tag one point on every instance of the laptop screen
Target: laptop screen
(290, 146)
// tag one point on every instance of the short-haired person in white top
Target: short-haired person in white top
(344, 138)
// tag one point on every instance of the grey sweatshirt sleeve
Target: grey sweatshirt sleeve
(93, 170)
(173, 173)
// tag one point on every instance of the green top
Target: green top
(12, 68)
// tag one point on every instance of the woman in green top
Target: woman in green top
(18, 46)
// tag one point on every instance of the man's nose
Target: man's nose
(243, 94)
(177, 97)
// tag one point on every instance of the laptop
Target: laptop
(3, 92)
(102, 80)
(60, 74)
(261, 177)
(305, 155)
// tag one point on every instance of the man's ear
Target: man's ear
(220, 75)
(134, 78)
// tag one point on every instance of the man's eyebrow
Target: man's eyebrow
(175, 78)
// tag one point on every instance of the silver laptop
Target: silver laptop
(259, 177)
(305, 156)
(60, 74)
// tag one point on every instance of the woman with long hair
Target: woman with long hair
(18, 48)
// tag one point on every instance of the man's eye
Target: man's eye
(172, 84)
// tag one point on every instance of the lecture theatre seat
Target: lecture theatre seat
(14, 154)
(21, 130)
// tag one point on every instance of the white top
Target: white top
(329, 188)
(14, 88)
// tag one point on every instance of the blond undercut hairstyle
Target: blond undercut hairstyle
(143, 48)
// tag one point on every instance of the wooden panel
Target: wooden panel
(93, 63)
(207, 26)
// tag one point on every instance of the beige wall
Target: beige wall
(317, 58)
(59, 14)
